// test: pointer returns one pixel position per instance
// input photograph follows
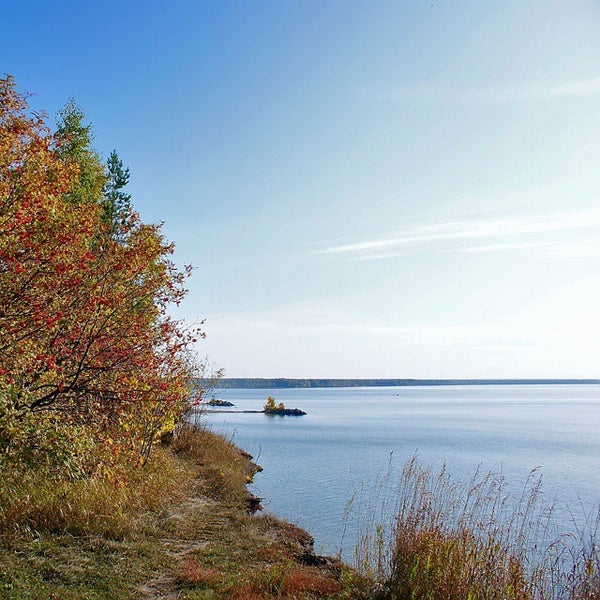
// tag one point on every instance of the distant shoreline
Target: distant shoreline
(283, 383)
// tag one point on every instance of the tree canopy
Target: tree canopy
(87, 347)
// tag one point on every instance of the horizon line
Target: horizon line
(416, 381)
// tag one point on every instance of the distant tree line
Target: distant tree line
(283, 383)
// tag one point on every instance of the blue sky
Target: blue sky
(365, 189)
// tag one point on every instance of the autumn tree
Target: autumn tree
(270, 405)
(86, 344)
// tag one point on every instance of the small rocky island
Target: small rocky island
(216, 402)
(270, 408)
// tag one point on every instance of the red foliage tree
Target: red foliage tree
(84, 329)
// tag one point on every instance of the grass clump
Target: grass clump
(286, 580)
(475, 541)
(110, 504)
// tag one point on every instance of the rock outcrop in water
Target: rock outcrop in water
(292, 412)
(217, 402)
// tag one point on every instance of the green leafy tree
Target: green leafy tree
(73, 146)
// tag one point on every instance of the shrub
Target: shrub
(270, 405)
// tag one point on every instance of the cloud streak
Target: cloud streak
(462, 233)
(506, 247)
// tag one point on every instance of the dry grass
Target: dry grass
(226, 470)
(193, 573)
(287, 580)
(176, 528)
(113, 503)
(453, 541)
(110, 504)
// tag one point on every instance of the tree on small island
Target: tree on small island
(270, 405)
(270, 408)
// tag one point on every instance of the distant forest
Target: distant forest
(258, 383)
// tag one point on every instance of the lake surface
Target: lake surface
(314, 465)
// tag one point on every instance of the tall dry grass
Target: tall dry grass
(109, 504)
(115, 502)
(474, 540)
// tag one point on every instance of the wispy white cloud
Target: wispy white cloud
(467, 231)
(381, 256)
(505, 247)
(500, 94)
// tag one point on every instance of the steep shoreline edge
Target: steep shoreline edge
(307, 542)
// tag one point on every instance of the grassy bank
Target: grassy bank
(179, 527)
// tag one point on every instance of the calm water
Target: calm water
(313, 465)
